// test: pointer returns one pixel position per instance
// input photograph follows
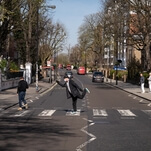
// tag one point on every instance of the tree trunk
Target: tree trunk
(148, 56)
(143, 56)
(28, 43)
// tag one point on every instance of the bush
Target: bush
(3, 65)
(121, 74)
(111, 73)
(13, 66)
(9, 66)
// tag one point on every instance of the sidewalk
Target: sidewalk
(9, 97)
(131, 88)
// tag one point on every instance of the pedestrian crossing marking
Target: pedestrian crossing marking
(22, 113)
(126, 113)
(97, 112)
(71, 113)
(47, 113)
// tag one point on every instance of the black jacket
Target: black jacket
(22, 86)
(75, 89)
(142, 79)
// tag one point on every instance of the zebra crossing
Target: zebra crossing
(47, 113)
(96, 113)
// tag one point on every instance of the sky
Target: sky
(71, 14)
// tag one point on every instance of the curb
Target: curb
(130, 92)
(5, 108)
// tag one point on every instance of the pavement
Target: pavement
(9, 97)
(130, 88)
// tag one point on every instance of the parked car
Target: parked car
(69, 74)
(97, 77)
(81, 70)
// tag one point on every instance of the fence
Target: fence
(10, 80)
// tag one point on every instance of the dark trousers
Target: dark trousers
(74, 99)
(21, 96)
(74, 103)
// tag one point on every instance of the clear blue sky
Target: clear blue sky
(71, 14)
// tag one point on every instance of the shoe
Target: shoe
(74, 112)
(19, 109)
(26, 106)
(87, 90)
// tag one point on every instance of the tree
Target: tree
(115, 29)
(90, 37)
(140, 29)
(75, 56)
(7, 11)
(63, 59)
(52, 40)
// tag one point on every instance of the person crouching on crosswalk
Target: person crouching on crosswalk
(73, 91)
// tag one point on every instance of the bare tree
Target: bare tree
(90, 36)
(128, 22)
(51, 41)
(75, 56)
(140, 29)
(114, 25)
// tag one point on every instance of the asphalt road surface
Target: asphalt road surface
(108, 119)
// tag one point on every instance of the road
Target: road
(108, 119)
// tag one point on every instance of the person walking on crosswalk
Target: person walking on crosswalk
(73, 91)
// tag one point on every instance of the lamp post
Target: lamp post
(37, 44)
(50, 73)
(85, 63)
(117, 64)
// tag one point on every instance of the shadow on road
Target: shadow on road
(21, 134)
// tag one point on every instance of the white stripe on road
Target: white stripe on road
(149, 104)
(141, 101)
(79, 148)
(31, 100)
(22, 113)
(48, 90)
(97, 112)
(47, 113)
(71, 113)
(126, 113)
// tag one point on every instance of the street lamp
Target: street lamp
(37, 44)
(85, 63)
(117, 63)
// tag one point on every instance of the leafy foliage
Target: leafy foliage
(5, 65)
